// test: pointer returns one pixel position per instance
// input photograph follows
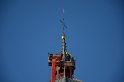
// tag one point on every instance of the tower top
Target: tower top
(62, 63)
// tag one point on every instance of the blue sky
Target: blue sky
(29, 29)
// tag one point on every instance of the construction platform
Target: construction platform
(67, 80)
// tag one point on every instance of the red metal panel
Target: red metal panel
(53, 70)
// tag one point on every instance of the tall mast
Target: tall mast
(63, 34)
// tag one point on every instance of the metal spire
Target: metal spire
(63, 38)
(63, 35)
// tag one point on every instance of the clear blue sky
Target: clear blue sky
(29, 29)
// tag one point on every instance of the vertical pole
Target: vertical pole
(63, 49)
(53, 70)
(70, 72)
(64, 71)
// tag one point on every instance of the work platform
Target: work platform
(67, 80)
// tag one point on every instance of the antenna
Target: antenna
(63, 22)
(63, 35)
